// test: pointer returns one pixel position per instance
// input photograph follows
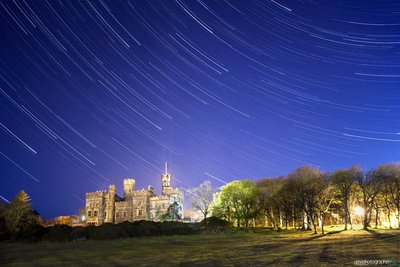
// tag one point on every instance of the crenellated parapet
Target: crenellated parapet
(97, 194)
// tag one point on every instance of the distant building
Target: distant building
(193, 216)
(107, 207)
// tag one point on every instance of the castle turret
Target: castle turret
(166, 181)
(129, 187)
(110, 204)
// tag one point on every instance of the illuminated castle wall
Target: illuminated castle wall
(107, 207)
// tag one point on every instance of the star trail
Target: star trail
(92, 92)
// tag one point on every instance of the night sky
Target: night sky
(92, 92)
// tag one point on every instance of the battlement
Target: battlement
(142, 192)
(96, 194)
(162, 197)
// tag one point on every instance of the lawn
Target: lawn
(236, 248)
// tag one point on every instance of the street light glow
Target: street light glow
(358, 210)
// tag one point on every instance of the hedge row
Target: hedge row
(107, 231)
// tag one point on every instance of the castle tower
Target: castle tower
(129, 187)
(110, 204)
(166, 181)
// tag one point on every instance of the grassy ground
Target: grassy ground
(237, 248)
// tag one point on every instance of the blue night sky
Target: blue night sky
(92, 92)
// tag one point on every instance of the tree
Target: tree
(369, 184)
(172, 213)
(239, 200)
(18, 214)
(201, 197)
(269, 192)
(389, 174)
(307, 184)
(325, 199)
(344, 182)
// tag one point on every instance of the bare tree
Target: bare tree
(308, 186)
(369, 184)
(344, 182)
(326, 198)
(201, 197)
(268, 198)
(389, 174)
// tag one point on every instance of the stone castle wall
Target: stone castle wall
(105, 206)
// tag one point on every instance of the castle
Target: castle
(107, 207)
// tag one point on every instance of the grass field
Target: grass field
(236, 248)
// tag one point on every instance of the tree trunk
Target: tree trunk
(322, 223)
(303, 221)
(376, 217)
(365, 219)
(390, 223)
(398, 213)
(346, 213)
(286, 222)
(314, 223)
(369, 216)
(351, 223)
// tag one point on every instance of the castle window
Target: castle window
(139, 202)
(105, 214)
(97, 205)
(95, 213)
(140, 212)
(117, 214)
(89, 213)
(124, 214)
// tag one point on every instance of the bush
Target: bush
(33, 233)
(145, 228)
(215, 224)
(4, 233)
(174, 228)
(127, 229)
(107, 231)
(58, 232)
(80, 233)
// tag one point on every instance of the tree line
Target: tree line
(306, 197)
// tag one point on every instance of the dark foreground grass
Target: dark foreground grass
(237, 248)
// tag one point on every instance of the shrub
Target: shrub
(106, 231)
(145, 228)
(80, 233)
(58, 232)
(174, 228)
(215, 224)
(32, 233)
